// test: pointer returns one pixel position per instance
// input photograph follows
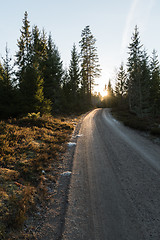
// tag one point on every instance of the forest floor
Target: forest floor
(31, 165)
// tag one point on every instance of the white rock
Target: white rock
(67, 173)
(71, 144)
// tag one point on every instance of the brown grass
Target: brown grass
(28, 148)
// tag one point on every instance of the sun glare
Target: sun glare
(101, 90)
(103, 93)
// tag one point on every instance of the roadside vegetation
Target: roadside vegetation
(150, 125)
(135, 98)
(30, 149)
(34, 87)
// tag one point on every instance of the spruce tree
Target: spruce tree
(121, 84)
(134, 72)
(6, 86)
(23, 55)
(30, 59)
(109, 99)
(74, 77)
(53, 75)
(145, 82)
(155, 84)
(90, 68)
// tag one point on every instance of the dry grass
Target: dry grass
(28, 147)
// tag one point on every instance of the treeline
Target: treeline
(37, 81)
(138, 85)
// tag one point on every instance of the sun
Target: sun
(100, 89)
(103, 93)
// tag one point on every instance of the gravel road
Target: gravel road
(115, 186)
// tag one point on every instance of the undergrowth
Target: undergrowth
(129, 119)
(29, 147)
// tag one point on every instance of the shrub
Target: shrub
(155, 131)
(33, 115)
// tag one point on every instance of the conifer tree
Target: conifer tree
(23, 55)
(30, 61)
(155, 84)
(109, 99)
(74, 76)
(145, 82)
(90, 68)
(121, 84)
(8, 69)
(53, 75)
(66, 93)
(6, 86)
(134, 71)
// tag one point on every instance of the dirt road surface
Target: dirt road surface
(115, 186)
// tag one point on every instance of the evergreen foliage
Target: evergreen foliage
(53, 73)
(90, 68)
(134, 72)
(40, 84)
(74, 80)
(121, 85)
(7, 97)
(142, 82)
(23, 55)
(155, 84)
(109, 100)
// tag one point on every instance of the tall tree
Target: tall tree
(6, 86)
(121, 84)
(23, 55)
(108, 100)
(145, 82)
(155, 84)
(53, 75)
(8, 69)
(74, 76)
(134, 71)
(29, 59)
(90, 68)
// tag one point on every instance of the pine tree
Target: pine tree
(74, 77)
(30, 61)
(134, 71)
(23, 55)
(39, 48)
(90, 68)
(145, 82)
(66, 93)
(121, 84)
(53, 75)
(155, 84)
(6, 86)
(109, 99)
(8, 69)
(34, 78)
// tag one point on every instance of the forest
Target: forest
(37, 82)
(137, 86)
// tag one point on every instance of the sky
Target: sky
(112, 23)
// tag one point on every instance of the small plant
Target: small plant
(33, 115)
(29, 156)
